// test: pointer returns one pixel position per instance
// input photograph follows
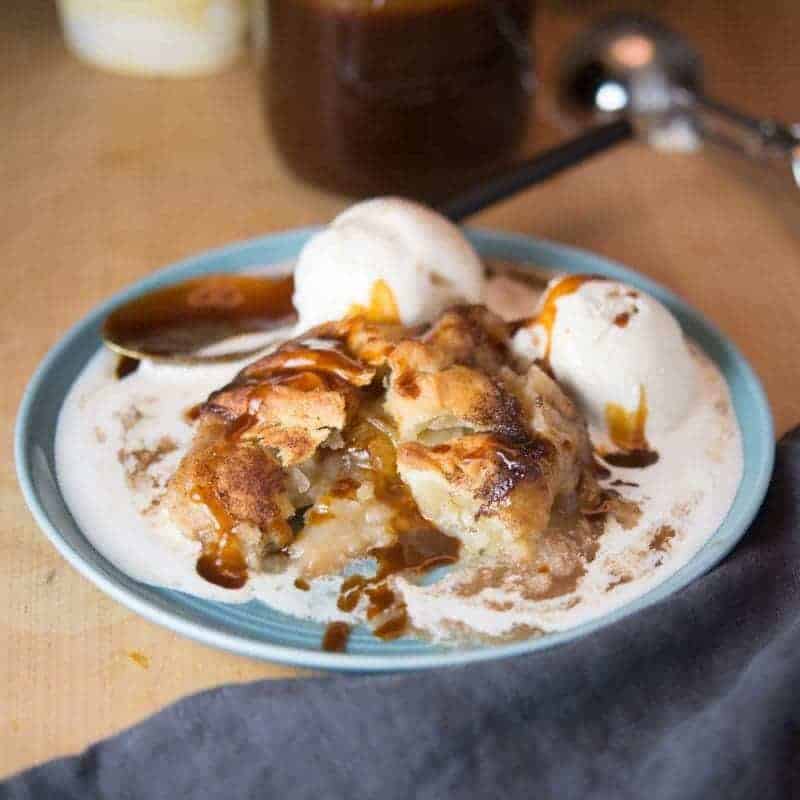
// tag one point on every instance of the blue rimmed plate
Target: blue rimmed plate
(256, 630)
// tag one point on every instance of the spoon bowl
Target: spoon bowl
(634, 66)
(630, 64)
(176, 323)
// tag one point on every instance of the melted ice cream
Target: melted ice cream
(119, 441)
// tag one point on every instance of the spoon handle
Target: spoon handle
(536, 169)
(761, 139)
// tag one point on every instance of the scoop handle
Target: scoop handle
(536, 169)
(766, 140)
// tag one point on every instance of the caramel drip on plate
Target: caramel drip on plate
(622, 320)
(418, 545)
(627, 431)
(125, 366)
(627, 428)
(336, 636)
(222, 561)
(632, 459)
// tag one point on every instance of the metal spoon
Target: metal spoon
(175, 323)
(635, 66)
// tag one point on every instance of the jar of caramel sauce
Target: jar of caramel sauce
(411, 97)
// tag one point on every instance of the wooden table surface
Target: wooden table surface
(106, 178)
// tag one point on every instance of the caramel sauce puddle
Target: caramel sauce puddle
(626, 430)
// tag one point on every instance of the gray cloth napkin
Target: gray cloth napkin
(697, 697)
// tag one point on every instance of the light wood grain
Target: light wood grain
(106, 178)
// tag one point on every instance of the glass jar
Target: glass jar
(411, 97)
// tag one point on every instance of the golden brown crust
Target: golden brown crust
(370, 342)
(487, 480)
(326, 360)
(456, 397)
(295, 423)
(223, 479)
(296, 396)
(484, 447)
(469, 335)
(446, 378)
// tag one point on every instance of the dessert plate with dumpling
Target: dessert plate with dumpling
(427, 455)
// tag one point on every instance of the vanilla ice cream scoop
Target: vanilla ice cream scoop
(618, 351)
(390, 259)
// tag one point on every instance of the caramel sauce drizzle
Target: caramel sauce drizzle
(292, 360)
(632, 459)
(239, 427)
(549, 310)
(345, 487)
(622, 320)
(626, 430)
(380, 598)
(418, 547)
(125, 366)
(601, 471)
(221, 561)
(336, 636)
(192, 414)
(382, 307)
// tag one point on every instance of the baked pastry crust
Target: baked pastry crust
(442, 419)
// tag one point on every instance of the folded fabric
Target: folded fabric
(696, 697)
